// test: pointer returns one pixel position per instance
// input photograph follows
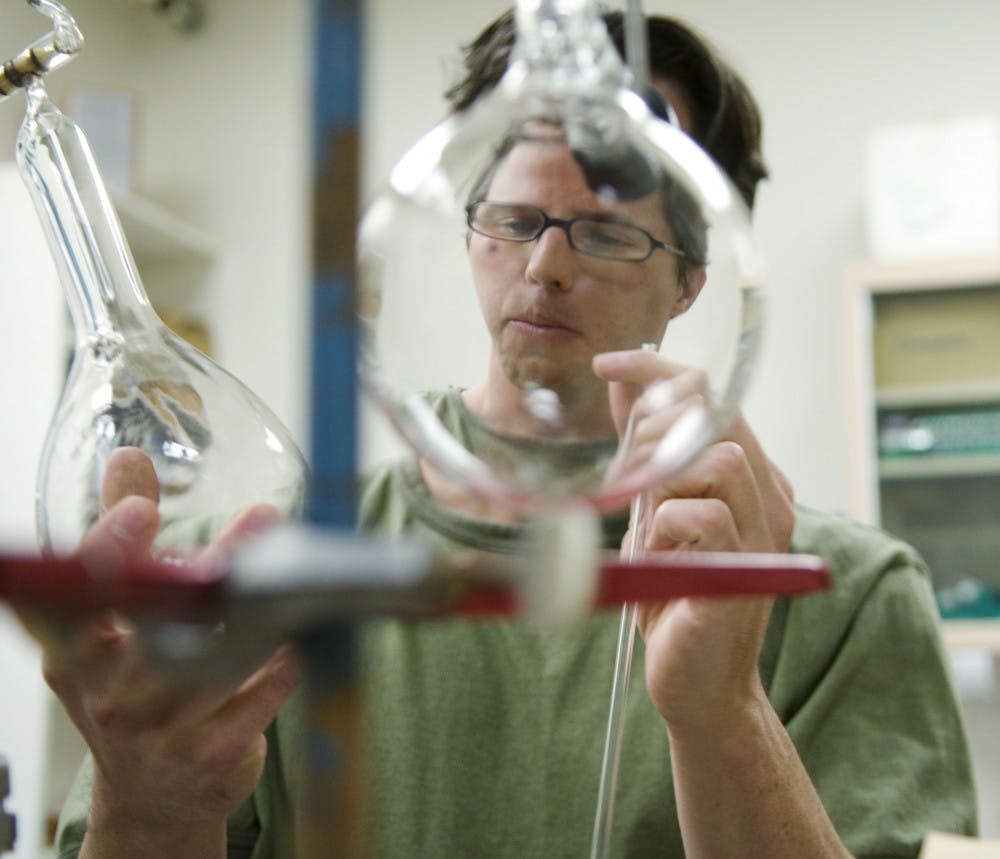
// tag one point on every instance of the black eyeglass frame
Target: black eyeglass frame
(566, 226)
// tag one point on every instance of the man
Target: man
(763, 728)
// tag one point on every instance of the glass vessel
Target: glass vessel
(132, 382)
(425, 299)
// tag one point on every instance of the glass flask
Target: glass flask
(215, 446)
(444, 307)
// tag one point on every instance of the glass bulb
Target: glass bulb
(215, 446)
(445, 306)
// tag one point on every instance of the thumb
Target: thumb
(126, 532)
(129, 472)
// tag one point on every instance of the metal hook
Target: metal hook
(49, 52)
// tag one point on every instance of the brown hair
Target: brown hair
(726, 120)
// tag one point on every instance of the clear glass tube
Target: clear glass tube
(132, 382)
(600, 846)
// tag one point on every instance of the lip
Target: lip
(536, 325)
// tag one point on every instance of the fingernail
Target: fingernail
(288, 665)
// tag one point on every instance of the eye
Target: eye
(609, 236)
(503, 221)
(515, 224)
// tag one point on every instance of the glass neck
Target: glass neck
(92, 257)
(563, 46)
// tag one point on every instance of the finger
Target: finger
(651, 424)
(249, 710)
(639, 367)
(124, 533)
(740, 432)
(695, 524)
(129, 472)
(251, 522)
(266, 689)
(654, 420)
(723, 472)
(214, 701)
(619, 369)
(642, 382)
(775, 487)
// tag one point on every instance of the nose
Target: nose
(552, 260)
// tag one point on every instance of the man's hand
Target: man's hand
(701, 654)
(171, 760)
(741, 788)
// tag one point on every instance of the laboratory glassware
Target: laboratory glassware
(216, 447)
(423, 319)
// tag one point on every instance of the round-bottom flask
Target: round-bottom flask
(463, 288)
(132, 382)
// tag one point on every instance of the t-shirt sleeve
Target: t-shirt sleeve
(871, 706)
(73, 816)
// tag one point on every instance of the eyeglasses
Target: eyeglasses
(515, 222)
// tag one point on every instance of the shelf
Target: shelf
(941, 465)
(978, 633)
(951, 394)
(930, 273)
(156, 236)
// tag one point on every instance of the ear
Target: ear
(691, 287)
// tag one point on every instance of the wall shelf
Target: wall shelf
(953, 394)
(938, 465)
(978, 633)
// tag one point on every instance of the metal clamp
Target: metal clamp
(48, 53)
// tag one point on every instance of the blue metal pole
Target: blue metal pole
(334, 333)
(330, 820)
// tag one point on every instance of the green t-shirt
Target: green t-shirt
(487, 736)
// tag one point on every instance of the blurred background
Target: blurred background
(878, 392)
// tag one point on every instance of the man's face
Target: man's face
(550, 308)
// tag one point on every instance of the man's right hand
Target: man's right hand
(170, 760)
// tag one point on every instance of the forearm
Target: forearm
(742, 791)
(127, 841)
(117, 833)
